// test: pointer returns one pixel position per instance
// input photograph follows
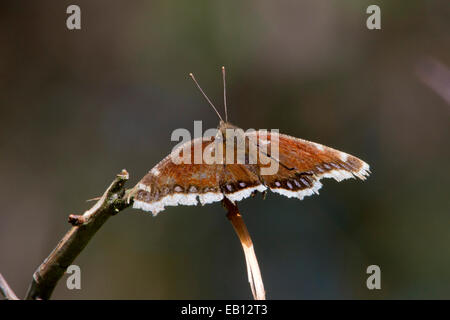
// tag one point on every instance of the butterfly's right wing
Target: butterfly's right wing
(302, 164)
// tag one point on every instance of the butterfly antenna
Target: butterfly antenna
(224, 94)
(206, 97)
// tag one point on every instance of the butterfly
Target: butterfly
(301, 165)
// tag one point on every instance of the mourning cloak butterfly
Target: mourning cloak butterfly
(302, 164)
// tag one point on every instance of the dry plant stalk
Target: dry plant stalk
(253, 272)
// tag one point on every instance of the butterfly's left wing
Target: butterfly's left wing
(189, 183)
(171, 183)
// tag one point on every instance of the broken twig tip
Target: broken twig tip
(93, 199)
(124, 174)
(76, 220)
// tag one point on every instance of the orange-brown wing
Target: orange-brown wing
(302, 164)
(240, 181)
(171, 183)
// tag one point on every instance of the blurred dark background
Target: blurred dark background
(78, 106)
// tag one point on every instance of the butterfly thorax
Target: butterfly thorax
(229, 132)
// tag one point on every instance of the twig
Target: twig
(254, 274)
(84, 227)
(115, 199)
(6, 290)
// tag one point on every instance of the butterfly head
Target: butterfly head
(223, 126)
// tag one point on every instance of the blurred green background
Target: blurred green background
(78, 106)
